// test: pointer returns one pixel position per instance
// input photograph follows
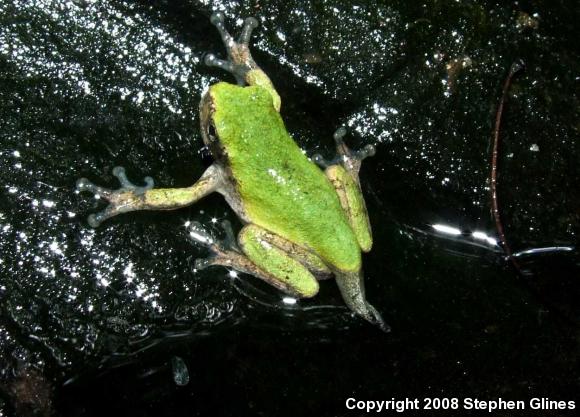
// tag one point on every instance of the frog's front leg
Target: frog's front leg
(267, 256)
(343, 173)
(240, 62)
(130, 197)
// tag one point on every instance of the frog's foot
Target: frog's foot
(349, 159)
(223, 252)
(240, 60)
(127, 198)
(351, 287)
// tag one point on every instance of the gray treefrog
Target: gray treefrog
(301, 223)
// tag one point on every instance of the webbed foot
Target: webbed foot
(126, 198)
(349, 159)
(240, 60)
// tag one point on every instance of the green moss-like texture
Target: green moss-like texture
(282, 190)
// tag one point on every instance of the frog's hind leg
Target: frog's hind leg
(240, 62)
(130, 197)
(343, 173)
(313, 263)
(266, 252)
(264, 255)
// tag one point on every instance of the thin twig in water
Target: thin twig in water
(515, 68)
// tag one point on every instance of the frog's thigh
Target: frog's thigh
(288, 273)
(353, 203)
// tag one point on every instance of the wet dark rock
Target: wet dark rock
(86, 86)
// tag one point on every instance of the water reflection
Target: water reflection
(544, 250)
(444, 229)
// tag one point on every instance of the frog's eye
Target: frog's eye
(211, 133)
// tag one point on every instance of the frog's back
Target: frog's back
(281, 189)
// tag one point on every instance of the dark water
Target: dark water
(116, 320)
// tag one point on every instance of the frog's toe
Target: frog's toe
(212, 61)
(218, 20)
(83, 184)
(339, 135)
(250, 24)
(368, 150)
(202, 263)
(321, 161)
(341, 148)
(229, 242)
(126, 185)
(94, 220)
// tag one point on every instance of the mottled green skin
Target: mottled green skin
(280, 188)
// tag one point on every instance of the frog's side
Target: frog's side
(301, 224)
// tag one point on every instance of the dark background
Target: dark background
(111, 320)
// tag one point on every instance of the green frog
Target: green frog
(301, 223)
